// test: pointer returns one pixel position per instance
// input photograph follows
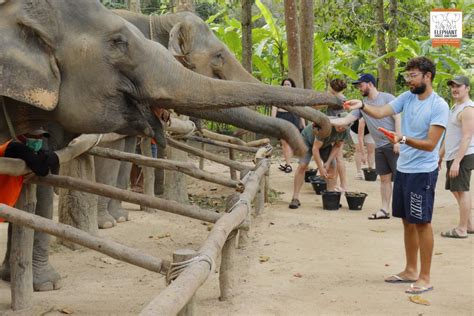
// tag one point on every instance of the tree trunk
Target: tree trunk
(247, 34)
(381, 47)
(307, 41)
(134, 6)
(294, 57)
(392, 46)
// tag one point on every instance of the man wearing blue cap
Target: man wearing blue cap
(386, 154)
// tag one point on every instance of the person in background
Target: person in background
(361, 138)
(386, 154)
(458, 152)
(292, 118)
(336, 88)
(424, 119)
(324, 151)
(28, 148)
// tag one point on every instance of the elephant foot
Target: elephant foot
(46, 279)
(120, 215)
(105, 220)
(5, 272)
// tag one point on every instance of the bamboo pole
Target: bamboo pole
(171, 300)
(21, 254)
(233, 172)
(127, 196)
(184, 167)
(79, 145)
(201, 159)
(108, 247)
(223, 138)
(258, 142)
(148, 173)
(189, 149)
(222, 144)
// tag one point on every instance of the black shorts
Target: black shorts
(385, 160)
(413, 196)
(461, 183)
(290, 117)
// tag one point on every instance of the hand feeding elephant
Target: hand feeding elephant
(96, 73)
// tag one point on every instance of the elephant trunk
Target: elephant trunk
(255, 122)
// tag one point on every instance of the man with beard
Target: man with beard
(386, 154)
(424, 119)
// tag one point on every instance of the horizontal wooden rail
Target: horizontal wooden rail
(222, 144)
(213, 157)
(184, 167)
(108, 247)
(127, 196)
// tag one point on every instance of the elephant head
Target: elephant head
(192, 42)
(95, 72)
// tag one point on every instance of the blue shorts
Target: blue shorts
(413, 196)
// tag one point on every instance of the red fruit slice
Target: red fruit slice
(387, 133)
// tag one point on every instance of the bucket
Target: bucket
(309, 173)
(369, 174)
(318, 184)
(355, 200)
(331, 200)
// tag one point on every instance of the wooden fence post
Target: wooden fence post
(181, 255)
(227, 271)
(21, 254)
(148, 173)
(233, 173)
(201, 159)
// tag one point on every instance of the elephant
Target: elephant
(94, 72)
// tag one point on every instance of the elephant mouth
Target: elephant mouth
(138, 115)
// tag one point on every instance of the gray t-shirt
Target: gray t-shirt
(373, 123)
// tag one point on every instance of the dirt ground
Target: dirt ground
(319, 262)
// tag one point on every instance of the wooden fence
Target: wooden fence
(189, 268)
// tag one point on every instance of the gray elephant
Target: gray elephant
(192, 43)
(96, 73)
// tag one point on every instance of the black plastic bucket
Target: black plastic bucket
(355, 200)
(318, 184)
(369, 174)
(309, 173)
(331, 200)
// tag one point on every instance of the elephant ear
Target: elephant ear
(180, 41)
(28, 69)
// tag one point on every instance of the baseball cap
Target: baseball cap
(365, 78)
(460, 80)
(38, 132)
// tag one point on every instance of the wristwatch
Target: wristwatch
(403, 140)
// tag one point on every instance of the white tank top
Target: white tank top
(454, 132)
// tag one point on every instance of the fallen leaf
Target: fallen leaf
(263, 259)
(419, 300)
(387, 265)
(66, 311)
(214, 189)
(297, 275)
(438, 253)
(378, 230)
(209, 227)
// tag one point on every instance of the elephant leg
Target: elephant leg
(45, 277)
(106, 172)
(5, 268)
(115, 206)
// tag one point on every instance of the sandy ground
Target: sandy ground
(320, 262)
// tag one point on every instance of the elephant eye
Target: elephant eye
(218, 59)
(119, 42)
